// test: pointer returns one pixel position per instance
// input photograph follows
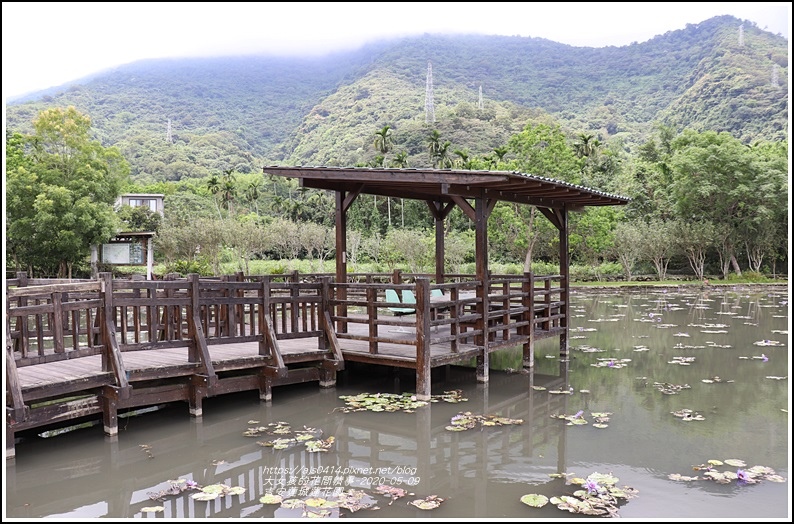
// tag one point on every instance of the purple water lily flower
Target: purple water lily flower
(611, 364)
(591, 486)
(579, 414)
(742, 476)
(764, 358)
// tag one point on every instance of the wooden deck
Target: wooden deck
(90, 349)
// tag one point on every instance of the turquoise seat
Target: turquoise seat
(391, 296)
(408, 297)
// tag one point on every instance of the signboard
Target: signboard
(116, 253)
(123, 253)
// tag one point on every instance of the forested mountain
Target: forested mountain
(190, 118)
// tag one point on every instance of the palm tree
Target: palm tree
(228, 189)
(401, 160)
(434, 146)
(500, 153)
(214, 186)
(383, 140)
(252, 194)
(383, 143)
(442, 157)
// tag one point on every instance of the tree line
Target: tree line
(702, 202)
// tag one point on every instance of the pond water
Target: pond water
(638, 359)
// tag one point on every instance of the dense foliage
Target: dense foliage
(691, 125)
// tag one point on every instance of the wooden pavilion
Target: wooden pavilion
(475, 193)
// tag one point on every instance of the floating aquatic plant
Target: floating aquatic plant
(271, 498)
(176, 487)
(742, 476)
(214, 491)
(682, 361)
(392, 492)
(670, 389)
(153, 509)
(600, 496)
(768, 343)
(429, 502)
(687, 415)
(613, 363)
(391, 402)
(466, 420)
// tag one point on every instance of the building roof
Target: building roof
(444, 184)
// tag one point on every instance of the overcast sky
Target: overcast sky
(47, 44)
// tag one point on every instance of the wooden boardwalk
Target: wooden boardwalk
(83, 350)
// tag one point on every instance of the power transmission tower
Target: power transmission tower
(479, 105)
(430, 110)
(775, 76)
(168, 133)
(741, 35)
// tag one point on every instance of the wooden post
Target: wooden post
(565, 281)
(423, 367)
(341, 259)
(528, 301)
(481, 254)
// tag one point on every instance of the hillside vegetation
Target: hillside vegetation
(192, 118)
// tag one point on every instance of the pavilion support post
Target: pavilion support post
(440, 212)
(440, 252)
(341, 260)
(528, 301)
(565, 272)
(482, 210)
(423, 367)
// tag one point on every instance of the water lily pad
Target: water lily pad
(153, 509)
(427, 503)
(318, 502)
(735, 463)
(204, 496)
(270, 498)
(600, 426)
(715, 462)
(292, 503)
(535, 500)
(236, 490)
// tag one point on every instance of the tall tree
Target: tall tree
(60, 192)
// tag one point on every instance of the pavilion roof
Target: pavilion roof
(444, 184)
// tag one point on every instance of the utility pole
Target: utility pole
(741, 35)
(430, 111)
(775, 76)
(168, 133)
(479, 104)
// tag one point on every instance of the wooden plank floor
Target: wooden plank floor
(156, 363)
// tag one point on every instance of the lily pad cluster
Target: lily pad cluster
(214, 491)
(309, 437)
(353, 500)
(614, 363)
(687, 415)
(391, 402)
(768, 343)
(670, 389)
(742, 475)
(466, 420)
(600, 418)
(176, 487)
(600, 496)
(682, 361)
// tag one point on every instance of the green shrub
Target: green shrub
(186, 267)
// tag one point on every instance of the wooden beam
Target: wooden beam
(481, 255)
(349, 199)
(465, 207)
(341, 258)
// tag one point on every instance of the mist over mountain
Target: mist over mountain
(177, 118)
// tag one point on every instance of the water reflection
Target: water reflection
(484, 471)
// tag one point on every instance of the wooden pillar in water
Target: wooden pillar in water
(341, 258)
(565, 272)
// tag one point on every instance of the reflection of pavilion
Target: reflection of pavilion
(114, 480)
